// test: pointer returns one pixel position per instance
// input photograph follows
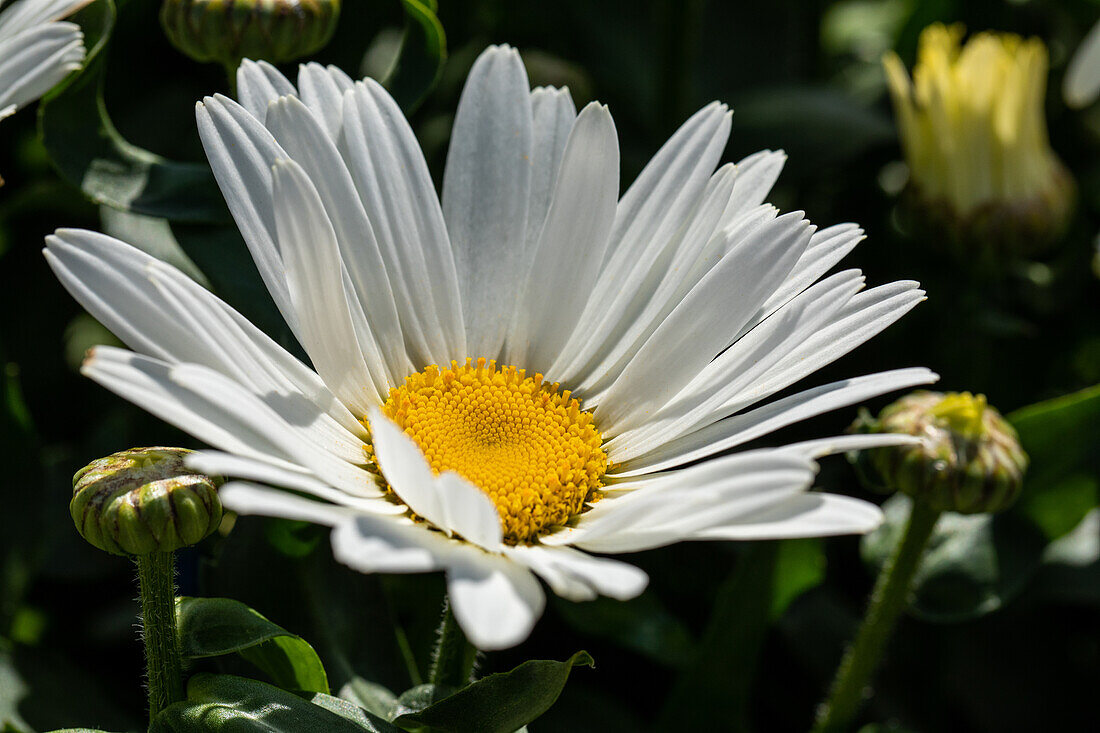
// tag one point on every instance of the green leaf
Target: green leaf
(92, 155)
(800, 567)
(423, 53)
(293, 538)
(1059, 436)
(354, 713)
(973, 564)
(642, 624)
(1071, 565)
(238, 705)
(499, 703)
(370, 696)
(211, 627)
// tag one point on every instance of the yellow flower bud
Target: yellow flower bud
(974, 135)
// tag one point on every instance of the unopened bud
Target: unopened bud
(144, 500)
(227, 31)
(970, 460)
(973, 129)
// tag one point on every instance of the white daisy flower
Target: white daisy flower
(505, 381)
(37, 49)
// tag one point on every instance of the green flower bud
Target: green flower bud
(144, 500)
(227, 31)
(970, 461)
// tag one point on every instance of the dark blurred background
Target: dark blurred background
(803, 76)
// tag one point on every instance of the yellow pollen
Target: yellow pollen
(523, 442)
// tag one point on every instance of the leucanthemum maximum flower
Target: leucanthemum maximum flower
(37, 49)
(515, 377)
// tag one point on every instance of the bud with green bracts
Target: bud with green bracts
(227, 31)
(144, 500)
(969, 462)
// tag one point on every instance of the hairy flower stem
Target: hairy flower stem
(453, 661)
(156, 576)
(887, 601)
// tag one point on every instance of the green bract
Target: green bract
(970, 461)
(144, 500)
(230, 30)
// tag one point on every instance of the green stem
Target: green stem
(156, 575)
(887, 601)
(453, 661)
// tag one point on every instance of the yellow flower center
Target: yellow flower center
(525, 443)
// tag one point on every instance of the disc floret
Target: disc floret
(523, 441)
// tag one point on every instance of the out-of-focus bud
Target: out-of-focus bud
(144, 500)
(971, 123)
(970, 460)
(227, 31)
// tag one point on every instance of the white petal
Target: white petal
(298, 478)
(673, 506)
(699, 327)
(867, 314)
(579, 576)
(469, 512)
(390, 545)
(808, 515)
(486, 188)
(301, 135)
(258, 84)
(668, 187)
(398, 195)
(684, 264)
(157, 310)
(22, 16)
(496, 601)
(572, 241)
(821, 447)
(756, 174)
(707, 397)
(220, 412)
(315, 278)
(813, 341)
(740, 429)
(450, 503)
(241, 153)
(247, 499)
(322, 89)
(362, 542)
(647, 220)
(34, 61)
(826, 248)
(1081, 85)
(553, 113)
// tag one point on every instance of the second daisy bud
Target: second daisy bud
(144, 500)
(974, 133)
(969, 462)
(227, 31)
